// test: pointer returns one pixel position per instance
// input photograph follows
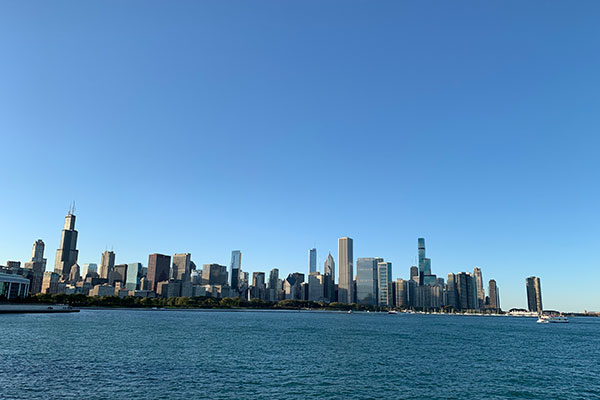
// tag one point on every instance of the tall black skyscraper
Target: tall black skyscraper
(66, 255)
(534, 294)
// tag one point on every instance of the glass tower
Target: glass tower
(366, 281)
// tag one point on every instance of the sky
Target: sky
(277, 126)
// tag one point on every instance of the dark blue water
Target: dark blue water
(237, 355)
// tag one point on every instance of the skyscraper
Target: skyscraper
(215, 274)
(66, 255)
(414, 274)
(107, 264)
(384, 283)
(494, 295)
(37, 266)
(421, 253)
(479, 284)
(273, 279)
(118, 274)
(158, 269)
(134, 275)
(534, 294)
(258, 285)
(345, 259)
(312, 260)
(181, 266)
(330, 267)
(366, 281)
(235, 267)
(329, 278)
(452, 295)
(425, 276)
(89, 268)
(464, 288)
(315, 286)
(401, 293)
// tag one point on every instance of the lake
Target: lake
(177, 354)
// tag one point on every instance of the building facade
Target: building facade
(534, 294)
(384, 284)
(235, 267)
(107, 264)
(37, 266)
(66, 255)
(181, 266)
(366, 281)
(159, 266)
(345, 261)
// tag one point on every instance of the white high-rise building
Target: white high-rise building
(346, 267)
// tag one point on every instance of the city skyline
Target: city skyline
(484, 137)
(369, 271)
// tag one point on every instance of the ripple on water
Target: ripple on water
(120, 354)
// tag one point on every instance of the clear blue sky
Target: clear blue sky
(276, 126)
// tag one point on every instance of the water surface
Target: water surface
(144, 354)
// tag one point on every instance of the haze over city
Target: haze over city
(177, 136)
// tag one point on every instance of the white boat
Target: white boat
(392, 312)
(552, 319)
(349, 311)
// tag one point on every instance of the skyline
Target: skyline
(181, 263)
(204, 127)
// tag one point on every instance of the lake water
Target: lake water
(144, 354)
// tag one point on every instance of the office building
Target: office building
(181, 267)
(158, 269)
(366, 281)
(345, 260)
(292, 286)
(37, 265)
(384, 284)
(74, 275)
(425, 275)
(414, 274)
(401, 293)
(50, 283)
(66, 255)
(89, 269)
(494, 296)
(312, 260)
(479, 284)
(274, 279)
(534, 294)
(315, 286)
(107, 264)
(451, 292)
(134, 276)
(235, 268)
(259, 287)
(118, 274)
(215, 274)
(329, 279)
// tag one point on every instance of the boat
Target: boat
(392, 312)
(552, 319)
(349, 311)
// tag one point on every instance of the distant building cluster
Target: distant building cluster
(179, 276)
